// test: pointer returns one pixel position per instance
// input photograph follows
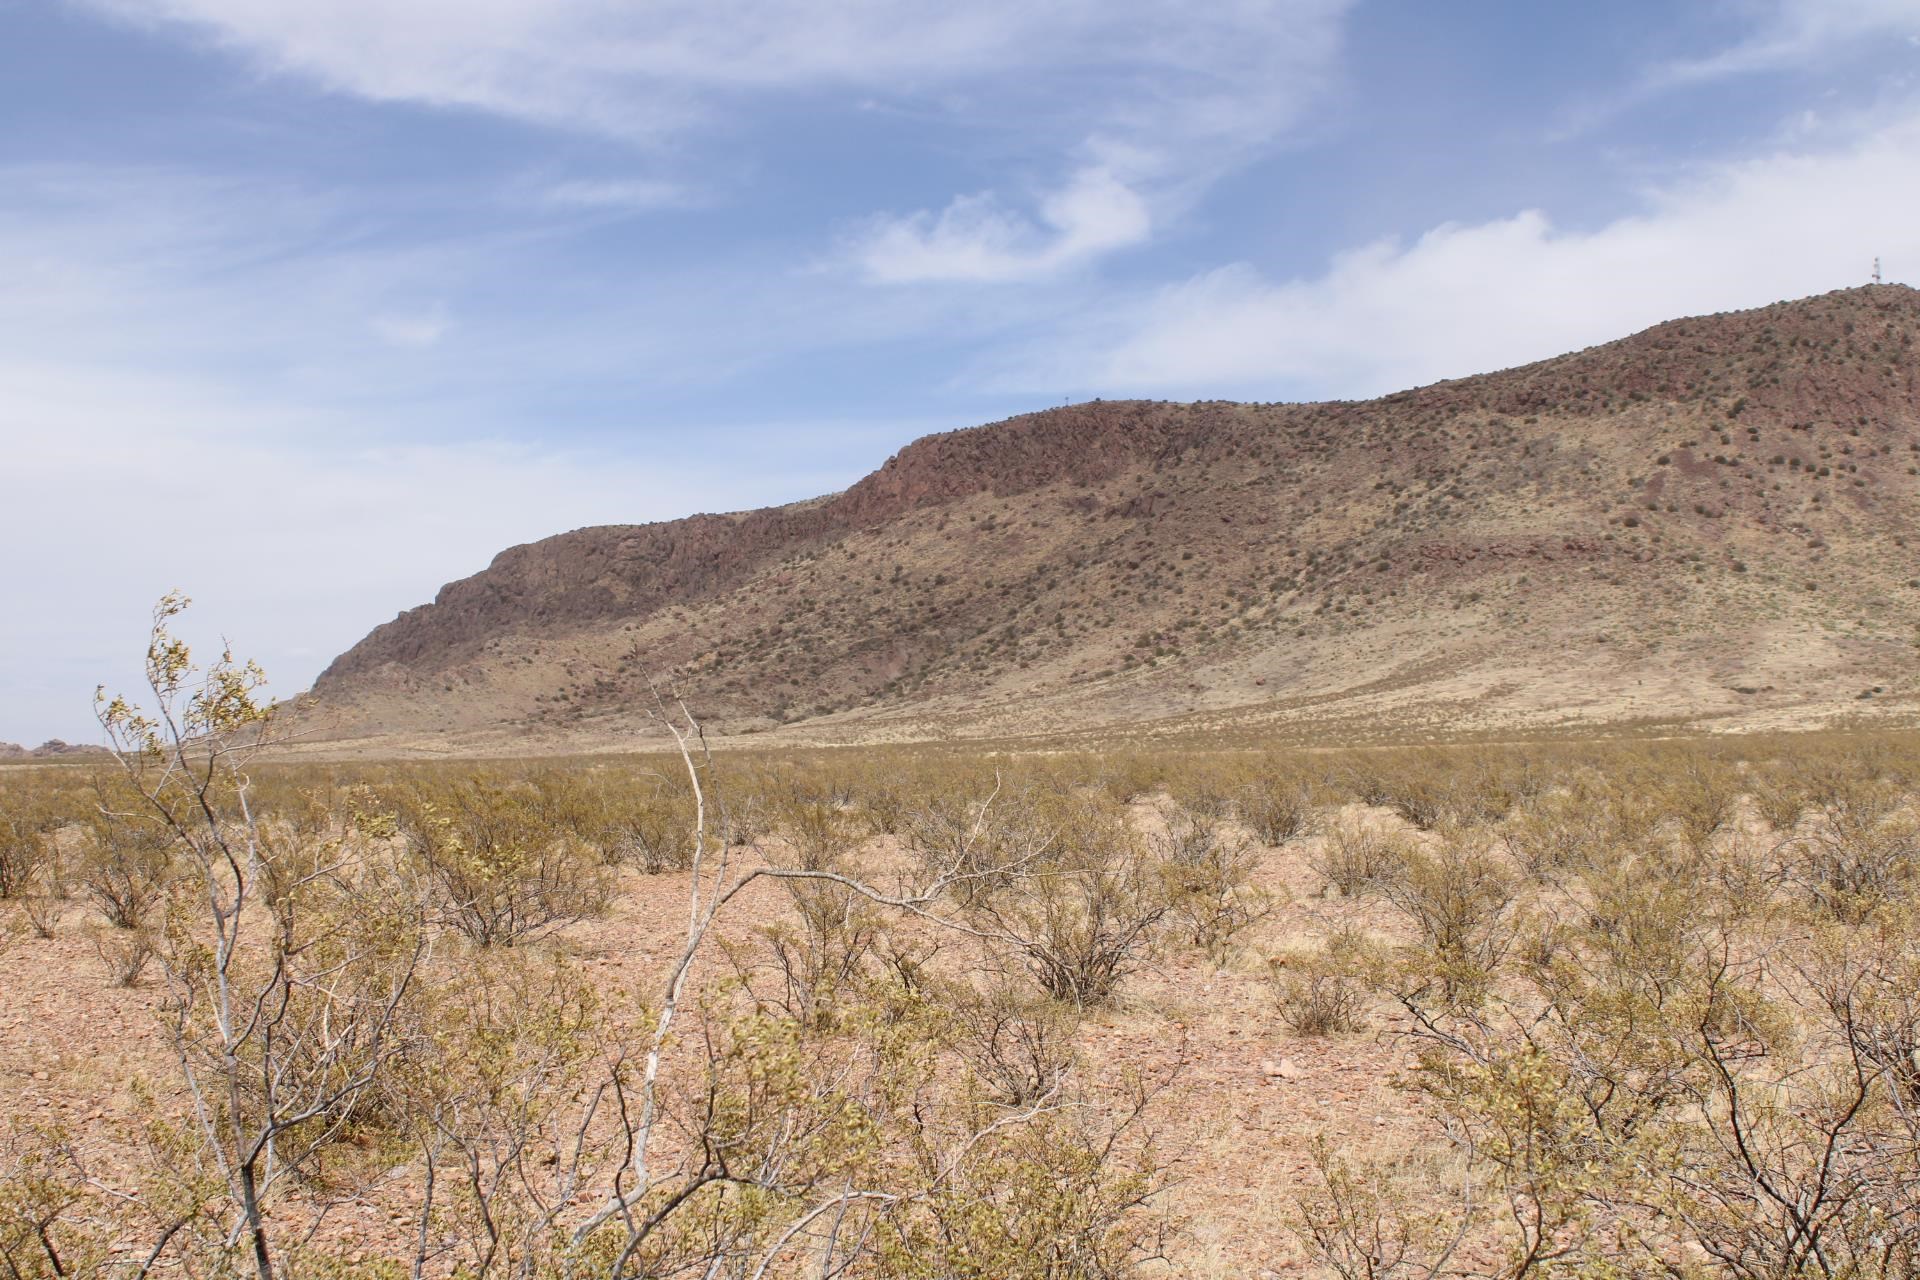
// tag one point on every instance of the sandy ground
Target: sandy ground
(1236, 1123)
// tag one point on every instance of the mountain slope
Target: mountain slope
(1708, 521)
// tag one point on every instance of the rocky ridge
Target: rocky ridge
(1707, 522)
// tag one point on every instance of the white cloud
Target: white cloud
(1796, 33)
(1181, 91)
(199, 388)
(1468, 298)
(648, 69)
(976, 239)
(294, 544)
(293, 530)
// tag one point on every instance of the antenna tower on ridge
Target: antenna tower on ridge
(1876, 271)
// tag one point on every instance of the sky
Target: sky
(310, 306)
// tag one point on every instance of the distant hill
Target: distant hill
(51, 749)
(1712, 522)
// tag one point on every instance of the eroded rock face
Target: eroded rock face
(616, 571)
(1676, 482)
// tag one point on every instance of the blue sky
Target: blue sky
(307, 307)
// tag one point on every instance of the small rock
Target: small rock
(1281, 1070)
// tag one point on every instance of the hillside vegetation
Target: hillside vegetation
(1708, 523)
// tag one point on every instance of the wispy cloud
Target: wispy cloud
(649, 70)
(1788, 34)
(623, 195)
(132, 485)
(1465, 298)
(421, 328)
(977, 239)
(1183, 92)
(249, 393)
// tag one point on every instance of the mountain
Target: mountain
(1712, 522)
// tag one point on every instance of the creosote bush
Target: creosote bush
(501, 872)
(1208, 871)
(29, 816)
(1087, 917)
(1329, 990)
(1018, 1046)
(1276, 806)
(124, 864)
(1655, 1003)
(1356, 856)
(1458, 896)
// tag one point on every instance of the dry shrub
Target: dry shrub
(1276, 807)
(1132, 775)
(1666, 1071)
(819, 830)
(124, 866)
(1086, 919)
(35, 812)
(499, 870)
(1426, 800)
(1781, 794)
(1208, 871)
(639, 815)
(1356, 856)
(1584, 824)
(50, 1215)
(1640, 923)
(973, 834)
(883, 804)
(1186, 835)
(1202, 789)
(1018, 1046)
(489, 1095)
(1365, 777)
(1432, 788)
(43, 907)
(1059, 1198)
(1459, 898)
(1699, 797)
(1864, 850)
(1807, 1158)
(1868, 982)
(28, 817)
(123, 953)
(818, 958)
(1325, 991)
(651, 829)
(1372, 1221)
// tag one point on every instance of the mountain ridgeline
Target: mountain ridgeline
(1712, 522)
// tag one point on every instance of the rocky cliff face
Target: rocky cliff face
(1638, 530)
(616, 571)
